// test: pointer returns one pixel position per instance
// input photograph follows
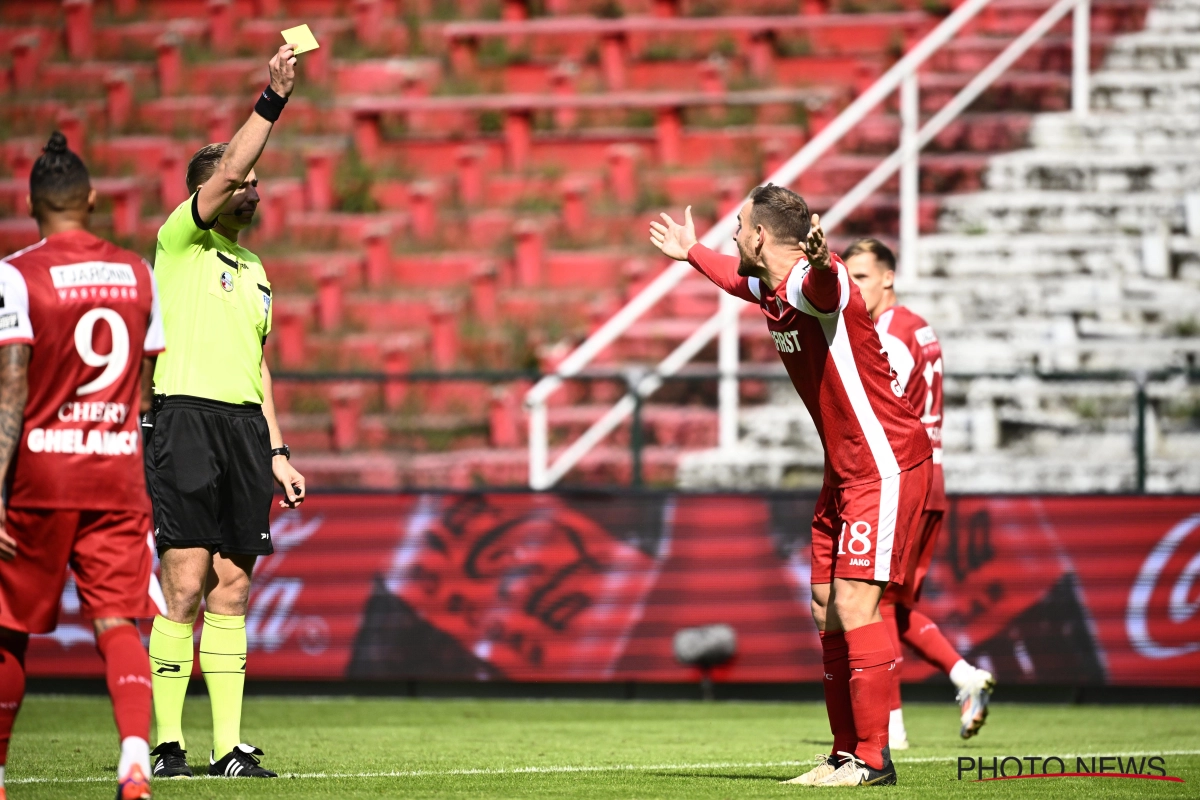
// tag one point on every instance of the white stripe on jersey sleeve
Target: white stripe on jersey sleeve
(755, 288)
(847, 368)
(15, 326)
(885, 536)
(156, 341)
(798, 301)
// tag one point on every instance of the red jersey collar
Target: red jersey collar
(78, 235)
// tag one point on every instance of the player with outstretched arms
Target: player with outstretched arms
(79, 331)
(878, 461)
(916, 358)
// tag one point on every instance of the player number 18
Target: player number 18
(115, 361)
(860, 537)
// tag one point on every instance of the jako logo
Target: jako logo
(1001, 768)
(1179, 608)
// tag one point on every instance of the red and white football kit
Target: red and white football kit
(877, 456)
(76, 490)
(916, 357)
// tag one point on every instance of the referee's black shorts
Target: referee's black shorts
(208, 469)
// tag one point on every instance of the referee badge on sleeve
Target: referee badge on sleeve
(266, 304)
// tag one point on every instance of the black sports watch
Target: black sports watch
(284, 451)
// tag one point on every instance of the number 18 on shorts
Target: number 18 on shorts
(862, 532)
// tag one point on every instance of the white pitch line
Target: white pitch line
(431, 773)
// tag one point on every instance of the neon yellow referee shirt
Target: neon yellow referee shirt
(216, 311)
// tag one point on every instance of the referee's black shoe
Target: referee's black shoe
(171, 761)
(240, 762)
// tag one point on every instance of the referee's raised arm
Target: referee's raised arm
(247, 144)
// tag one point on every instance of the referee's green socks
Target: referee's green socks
(170, 669)
(223, 662)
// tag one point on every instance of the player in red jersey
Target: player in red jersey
(916, 358)
(79, 329)
(878, 462)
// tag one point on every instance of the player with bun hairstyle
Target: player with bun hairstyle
(79, 332)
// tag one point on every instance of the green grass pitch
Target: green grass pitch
(65, 747)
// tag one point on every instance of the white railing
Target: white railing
(903, 76)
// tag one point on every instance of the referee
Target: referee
(213, 444)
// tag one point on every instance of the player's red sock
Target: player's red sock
(871, 665)
(835, 656)
(12, 686)
(127, 671)
(888, 610)
(923, 635)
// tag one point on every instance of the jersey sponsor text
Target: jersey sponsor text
(93, 412)
(81, 442)
(93, 273)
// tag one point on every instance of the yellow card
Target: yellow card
(302, 37)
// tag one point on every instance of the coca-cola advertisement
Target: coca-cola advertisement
(593, 586)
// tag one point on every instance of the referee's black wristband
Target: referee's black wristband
(270, 105)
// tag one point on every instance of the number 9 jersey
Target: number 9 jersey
(90, 311)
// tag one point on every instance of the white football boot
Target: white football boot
(855, 772)
(825, 765)
(974, 694)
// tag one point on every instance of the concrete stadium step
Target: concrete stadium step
(747, 465)
(984, 256)
(1004, 352)
(1155, 50)
(1121, 305)
(1052, 53)
(1082, 171)
(1012, 91)
(1061, 212)
(1144, 132)
(314, 432)
(662, 426)
(940, 173)
(982, 132)
(666, 426)
(1013, 17)
(1176, 91)
(967, 473)
(574, 36)
(1173, 15)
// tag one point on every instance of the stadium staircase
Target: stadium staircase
(465, 186)
(1081, 257)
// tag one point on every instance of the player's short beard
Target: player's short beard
(747, 264)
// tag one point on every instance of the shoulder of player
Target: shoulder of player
(25, 256)
(182, 211)
(179, 224)
(909, 325)
(253, 261)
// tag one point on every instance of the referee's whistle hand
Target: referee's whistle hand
(283, 70)
(291, 481)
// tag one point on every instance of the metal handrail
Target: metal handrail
(903, 76)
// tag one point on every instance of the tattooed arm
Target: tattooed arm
(14, 389)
